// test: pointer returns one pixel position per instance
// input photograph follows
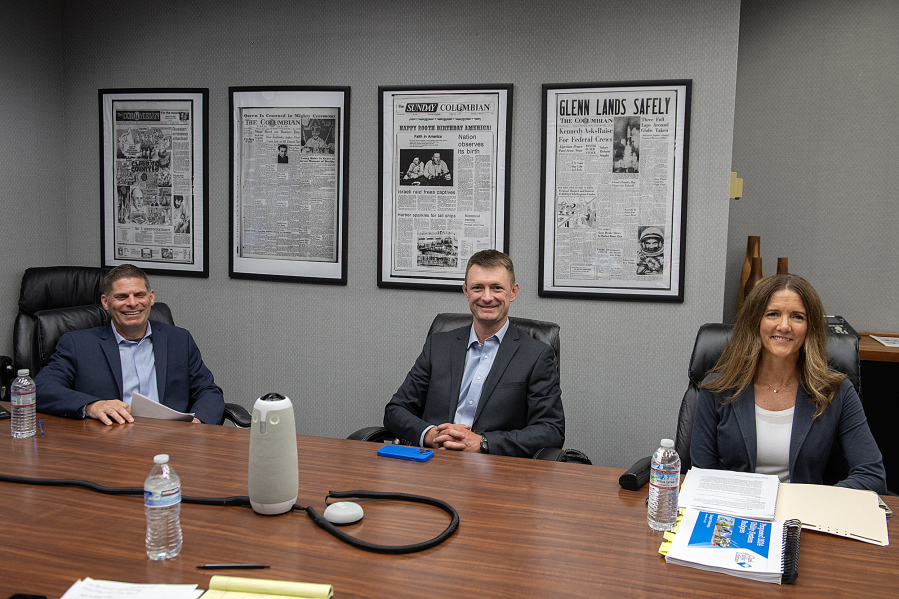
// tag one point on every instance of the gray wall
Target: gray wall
(33, 152)
(340, 352)
(815, 141)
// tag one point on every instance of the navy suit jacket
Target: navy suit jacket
(724, 437)
(520, 410)
(86, 367)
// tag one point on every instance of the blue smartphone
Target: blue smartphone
(406, 452)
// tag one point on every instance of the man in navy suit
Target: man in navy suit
(93, 370)
(487, 388)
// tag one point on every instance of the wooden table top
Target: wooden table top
(869, 349)
(528, 528)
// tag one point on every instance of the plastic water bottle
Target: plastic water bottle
(664, 484)
(23, 403)
(162, 504)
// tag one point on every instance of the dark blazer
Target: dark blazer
(86, 368)
(724, 437)
(520, 410)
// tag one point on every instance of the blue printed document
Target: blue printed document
(730, 545)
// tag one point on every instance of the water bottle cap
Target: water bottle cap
(22, 372)
(667, 443)
(162, 458)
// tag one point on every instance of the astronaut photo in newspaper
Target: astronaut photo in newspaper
(651, 255)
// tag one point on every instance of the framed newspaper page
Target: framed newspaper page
(154, 179)
(614, 190)
(289, 148)
(444, 180)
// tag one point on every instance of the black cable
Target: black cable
(392, 549)
(244, 501)
(238, 500)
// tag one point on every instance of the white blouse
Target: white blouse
(773, 431)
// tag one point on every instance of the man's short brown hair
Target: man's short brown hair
(492, 259)
(123, 271)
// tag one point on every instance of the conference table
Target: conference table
(528, 528)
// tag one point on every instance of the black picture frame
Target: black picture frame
(429, 224)
(154, 153)
(613, 200)
(289, 180)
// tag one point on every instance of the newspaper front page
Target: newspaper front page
(288, 193)
(613, 190)
(288, 183)
(444, 186)
(155, 193)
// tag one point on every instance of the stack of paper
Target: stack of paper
(850, 513)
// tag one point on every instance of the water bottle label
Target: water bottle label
(164, 499)
(664, 479)
(23, 399)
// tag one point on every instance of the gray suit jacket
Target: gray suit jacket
(724, 437)
(520, 410)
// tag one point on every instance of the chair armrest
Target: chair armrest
(375, 434)
(237, 414)
(7, 374)
(637, 475)
(554, 454)
(550, 454)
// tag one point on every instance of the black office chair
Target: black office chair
(548, 332)
(57, 299)
(842, 356)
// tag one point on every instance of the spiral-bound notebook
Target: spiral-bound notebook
(753, 549)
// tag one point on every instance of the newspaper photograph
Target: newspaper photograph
(614, 191)
(444, 182)
(288, 184)
(154, 198)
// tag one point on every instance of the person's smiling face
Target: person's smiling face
(784, 325)
(129, 306)
(489, 292)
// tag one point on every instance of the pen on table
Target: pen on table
(40, 424)
(233, 566)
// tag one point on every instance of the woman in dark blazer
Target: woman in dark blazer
(772, 405)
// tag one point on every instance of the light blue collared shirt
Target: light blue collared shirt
(478, 362)
(138, 366)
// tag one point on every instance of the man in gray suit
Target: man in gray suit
(489, 387)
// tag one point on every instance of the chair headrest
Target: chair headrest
(547, 332)
(710, 342)
(842, 352)
(51, 287)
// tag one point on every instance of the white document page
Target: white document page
(743, 494)
(888, 341)
(144, 407)
(108, 589)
